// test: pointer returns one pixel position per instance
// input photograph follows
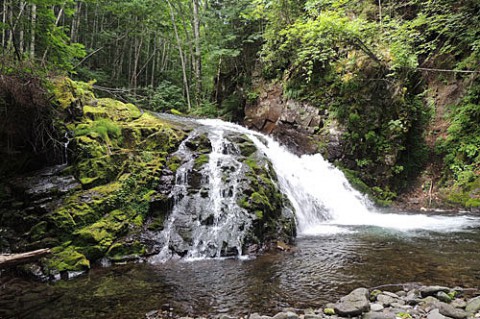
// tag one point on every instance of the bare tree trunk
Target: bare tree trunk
(4, 22)
(32, 32)
(154, 61)
(198, 52)
(76, 22)
(10, 22)
(21, 33)
(182, 58)
(137, 52)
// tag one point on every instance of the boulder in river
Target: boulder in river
(353, 304)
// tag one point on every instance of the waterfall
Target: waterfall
(323, 199)
(207, 219)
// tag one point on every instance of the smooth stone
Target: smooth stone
(435, 314)
(312, 316)
(450, 311)
(473, 305)
(378, 315)
(426, 291)
(353, 304)
(401, 293)
(459, 303)
(286, 315)
(443, 296)
(255, 316)
(386, 300)
(376, 307)
(227, 317)
(391, 294)
(429, 301)
(291, 315)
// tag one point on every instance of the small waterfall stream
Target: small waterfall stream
(208, 221)
(323, 199)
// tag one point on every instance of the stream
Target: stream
(320, 269)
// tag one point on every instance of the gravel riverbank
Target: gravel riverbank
(430, 302)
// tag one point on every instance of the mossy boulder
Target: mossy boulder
(119, 155)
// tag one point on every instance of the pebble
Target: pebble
(399, 305)
(376, 307)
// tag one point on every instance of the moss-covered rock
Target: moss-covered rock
(119, 154)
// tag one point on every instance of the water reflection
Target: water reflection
(319, 270)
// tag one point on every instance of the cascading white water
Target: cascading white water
(323, 199)
(206, 220)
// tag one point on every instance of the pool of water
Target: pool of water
(319, 269)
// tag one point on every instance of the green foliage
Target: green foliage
(165, 97)
(460, 149)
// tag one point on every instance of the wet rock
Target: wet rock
(353, 304)
(449, 311)
(426, 291)
(443, 296)
(435, 314)
(473, 306)
(312, 316)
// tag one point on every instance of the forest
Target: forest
(401, 77)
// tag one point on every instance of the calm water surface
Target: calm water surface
(319, 270)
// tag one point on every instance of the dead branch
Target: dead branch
(22, 258)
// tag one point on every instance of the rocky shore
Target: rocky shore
(430, 302)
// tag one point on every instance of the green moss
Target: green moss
(174, 163)
(260, 200)
(201, 160)
(120, 251)
(120, 155)
(252, 163)
(329, 311)
(466, 195)
(104, 128)
(259, 214)
(38, 231)
(67, 259)
(69, 93)
(104, 231)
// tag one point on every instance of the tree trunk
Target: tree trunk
(198, 52)
(182, 58)
(32, 32)
(76, 22)
(4, 22)
(154, 62)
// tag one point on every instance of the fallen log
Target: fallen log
(22, 258)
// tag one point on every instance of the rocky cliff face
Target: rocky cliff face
(302, 127)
